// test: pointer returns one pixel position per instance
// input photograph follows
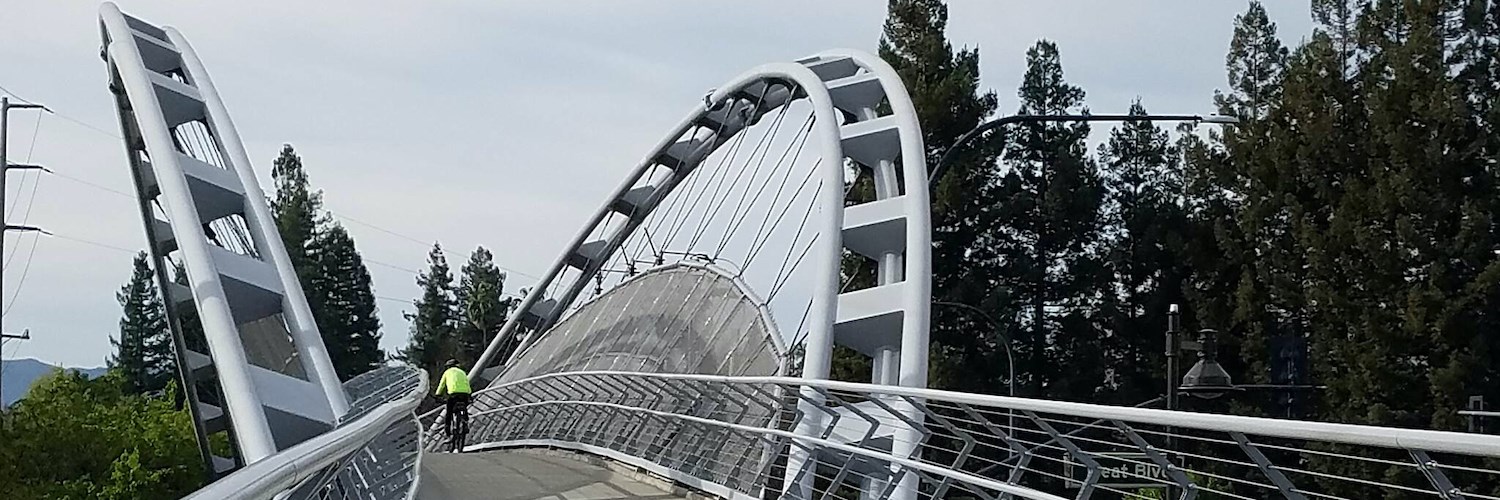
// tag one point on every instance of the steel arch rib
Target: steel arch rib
(185, 155)
(839, 84)
(302, 326)
(829, 202)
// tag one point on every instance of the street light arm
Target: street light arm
(938, 170)
(942, 165)
(1010, 356)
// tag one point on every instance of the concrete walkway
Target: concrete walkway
(524, 474)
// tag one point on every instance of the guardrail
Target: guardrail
(730, 436)
(373, 453)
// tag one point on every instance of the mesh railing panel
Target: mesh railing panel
(733, 433)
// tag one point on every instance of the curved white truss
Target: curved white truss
(846, 91)
(265, 376)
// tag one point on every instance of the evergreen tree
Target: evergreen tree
(143, 351)
(482, 306)
(1146, 240)
(433, 325)
(1235, 218)
(333, 275)
(944, 87)
(298, 210)
(187, 317)
(1050, 224)
(1256, 60)
(1428, 272)
(348, 320)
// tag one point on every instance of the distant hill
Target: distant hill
(20, 373)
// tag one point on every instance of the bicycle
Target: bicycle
(456, 427)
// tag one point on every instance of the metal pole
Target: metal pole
(1174, 328)
(1010, 358)
(5, 107)
(4, 170)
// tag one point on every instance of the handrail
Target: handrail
(948, 473)
(1389, 437)
(293, 466)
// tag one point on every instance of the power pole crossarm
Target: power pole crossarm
(15, 227)
(24, 335)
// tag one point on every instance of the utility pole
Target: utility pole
(5, 168)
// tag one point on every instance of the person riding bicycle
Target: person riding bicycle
(454, 382)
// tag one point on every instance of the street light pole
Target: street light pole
(952, 153)
(1174, 328)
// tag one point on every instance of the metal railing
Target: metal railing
(373, 453)
(730, 436)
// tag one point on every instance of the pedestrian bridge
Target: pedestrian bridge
(681, 345)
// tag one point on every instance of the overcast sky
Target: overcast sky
(501, 124)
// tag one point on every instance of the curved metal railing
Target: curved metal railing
(729, 436)
(373, 453)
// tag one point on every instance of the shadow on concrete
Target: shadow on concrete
(522, 474)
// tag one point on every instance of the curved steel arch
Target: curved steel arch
(261, 374)
(862, 114)
(726, 112)
(894, 229)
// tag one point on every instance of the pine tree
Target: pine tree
(143, 351)
(1229, 180)
(1427, 230)
(332, 273)
(482, 306)
(348, 321)
(298, 210)
(1050, 225)
(1146, 252)
(944, 87)
(433, 325)
(187, 317)
(1256, 60)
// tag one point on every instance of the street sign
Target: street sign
(1118, 470)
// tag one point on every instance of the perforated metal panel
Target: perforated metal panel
(682, 318)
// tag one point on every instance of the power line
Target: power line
(465, 255)
(393, 299)
(97, 244)
(37, 180)
(13, 94)
(76, 121)
(25, 270)
(91, 184)
(132, 196)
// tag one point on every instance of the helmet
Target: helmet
(451, 363)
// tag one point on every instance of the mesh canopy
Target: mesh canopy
(682, 318)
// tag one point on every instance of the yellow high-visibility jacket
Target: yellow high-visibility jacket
(454, 381)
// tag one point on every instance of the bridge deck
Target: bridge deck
(523, 474)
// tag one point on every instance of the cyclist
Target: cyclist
(455, 383)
